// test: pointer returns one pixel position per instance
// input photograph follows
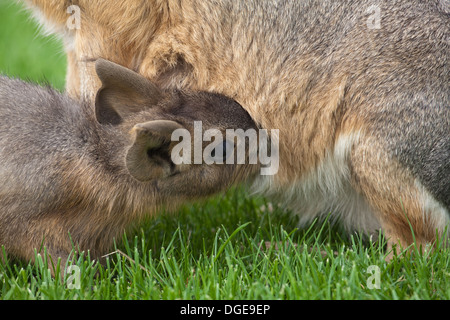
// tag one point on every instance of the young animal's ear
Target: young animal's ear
(149, 157)
(123, 92)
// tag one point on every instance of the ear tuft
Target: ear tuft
(149, 157)
(123, 92)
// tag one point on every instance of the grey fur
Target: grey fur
(64, 173)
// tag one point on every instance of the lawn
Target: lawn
(233, 246)
(24, 53)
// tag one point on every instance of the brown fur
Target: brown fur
(397, 204)
(312, 69)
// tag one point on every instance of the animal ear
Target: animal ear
(149, 157)
(123, 92)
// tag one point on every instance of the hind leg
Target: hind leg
(405, 210)
(30, 238)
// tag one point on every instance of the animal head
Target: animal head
(182, 137)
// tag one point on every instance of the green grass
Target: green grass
(214, 249)
(24, 53)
